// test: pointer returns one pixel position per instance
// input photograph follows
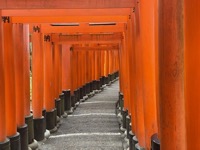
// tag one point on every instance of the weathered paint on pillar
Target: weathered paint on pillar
(9, 56)
(2, 87)
(171, 75)
(19, 73)
(37, 73)
(192, 72)
(26, 67)
(139, 97)
(149, 70)
(66, 77)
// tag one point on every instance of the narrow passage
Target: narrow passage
(92, 126)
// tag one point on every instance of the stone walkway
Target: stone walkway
(92, 126)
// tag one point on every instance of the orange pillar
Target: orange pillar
(139, 98)
(149, 70)
(60, 69)
(19, 84)
(49, 101)
(102, 63)
(192, 73)
(120, 68)
(48, 87)
(107, 63)
(171, 75)
(9, 58)
(26, 69)
(26, 80)
(57, 60)
(56, 69)
(93, 65)
(66, 78)
(3, 140)
(37, 83)
(19, 73)
(131, 55)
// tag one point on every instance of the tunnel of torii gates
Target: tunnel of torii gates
(79, 46)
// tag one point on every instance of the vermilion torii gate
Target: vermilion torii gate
(79, 46)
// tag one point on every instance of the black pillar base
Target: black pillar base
(23, 131)
(155, 143)
(98, 84)
(124, 114)
(87, 88)
(67, 100)
(101, 81)
(50, 120)
(131, 146)
(39, 128)
(5, 145)
(106, 80)
(15, 143)
(75, 96)
(134, 142)
(58, 106)
(94, 87)
(128, 120)
(91, 86)
(78, 95)
(72, 100)
(122, 105)
(29, 122)
(55, 117)
(62, 101)
(84, 90)
(109, 78)
(81, 93)
(121, 101)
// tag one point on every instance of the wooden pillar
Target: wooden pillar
(125, 79)
(9, 80)
(37, 73)
(48, 87)
(130, 34)
(38, 84)
(93, 65)
(26, 67)
(149, 70)
(22, 128)
(171, 75)
(19, 73)
(66, 78)
(9, 61)
(57, 69)
(192, 73)
(60, 69)
(107, 62)
(73, 71)
(110, 61)
(120, 68)
(102, 62)
(139, 98)
(2, 87)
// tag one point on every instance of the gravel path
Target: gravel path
(92, 126)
